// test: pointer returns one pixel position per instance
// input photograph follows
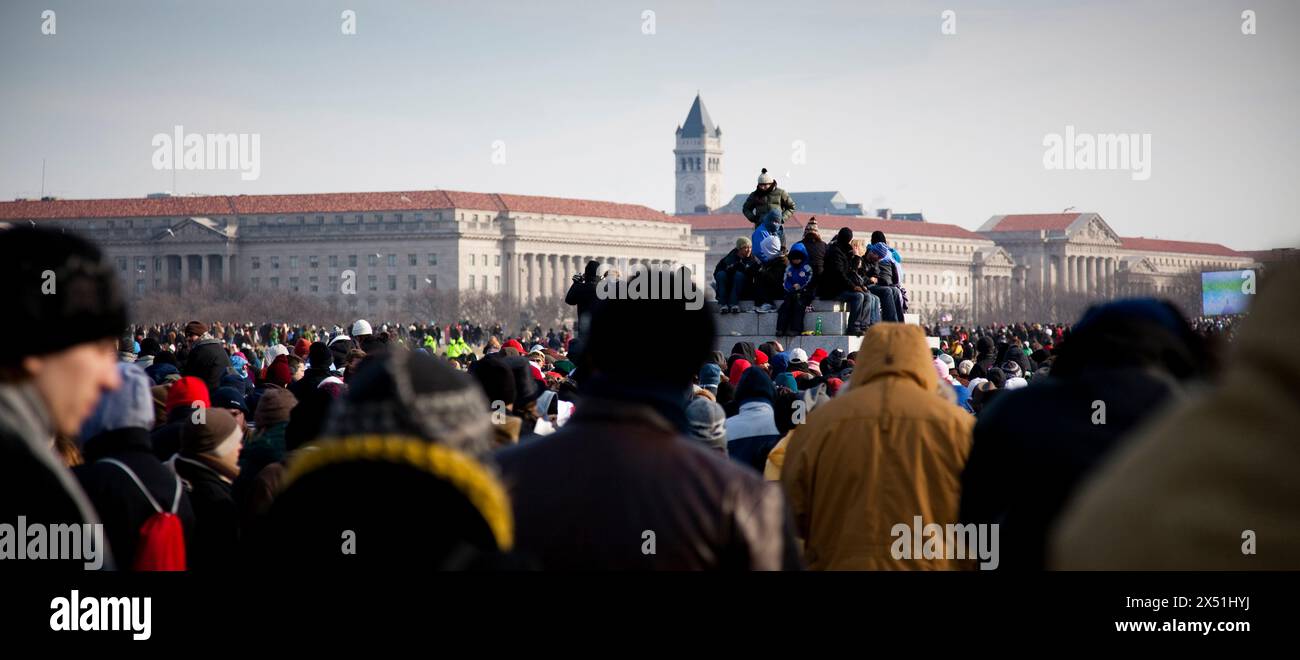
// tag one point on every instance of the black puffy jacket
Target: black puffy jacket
(838, 274)
(122, 507)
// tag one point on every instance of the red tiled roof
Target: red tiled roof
(323, 203)
(830, 224)
(1184, 247)
(1036, 222)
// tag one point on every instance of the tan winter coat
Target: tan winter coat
(887, 449)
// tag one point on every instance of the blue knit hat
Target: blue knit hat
(129, 406)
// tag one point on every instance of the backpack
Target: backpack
(162, 538)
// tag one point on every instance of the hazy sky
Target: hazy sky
(892, 112)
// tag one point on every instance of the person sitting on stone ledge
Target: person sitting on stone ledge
(799, 292)
(840, 282)
(734, 275)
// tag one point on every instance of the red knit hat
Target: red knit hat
(760, 356)
(737, 368)
(833, 385)
(818, 355)
(301, 347)
(513, 343)
(278, 373)
(185, 392)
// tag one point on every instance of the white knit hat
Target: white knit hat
(764, 177)
(361, 327)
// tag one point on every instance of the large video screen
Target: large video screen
(1227, 292)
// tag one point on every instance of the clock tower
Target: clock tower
(698, 159)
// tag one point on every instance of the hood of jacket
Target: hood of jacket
(895, 349)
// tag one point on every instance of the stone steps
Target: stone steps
(753, 323)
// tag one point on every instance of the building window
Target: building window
(372, 260)
(275, 263)
(433, 281)
(392, 282)
(496, 283)
(485, 282)
(411, 279)
(157, 264)
(352, 261)
(485, 263)
(139, 287)
(471, 281)
(373, 282)
(275, 283)
(334, 261)
(157, 283)
(496, 260)
(313, 261)
(121, 264)
(412, 260)
(397, 217)
(141, 264)
(392, 261)
(471, 261)
(255, 282)
(293, 262)
(315, 283)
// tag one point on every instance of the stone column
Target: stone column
(1070, 284)
(557, 275)
(185, 271)
(226, 269)
(1112, 280)
(530, 266)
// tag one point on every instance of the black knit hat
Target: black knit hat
(319, 355)
(620, 329)
(61, 292)
(494, 375)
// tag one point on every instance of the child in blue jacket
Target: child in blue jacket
(799, 292)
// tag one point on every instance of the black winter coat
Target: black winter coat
(816, 255)
(311, 378)
(216, 517)
(838, 275)
(34, 485)
(121, 506)
(1034, 446)
(733, 262)
(583, 296)
(207, 361)
(166, 439)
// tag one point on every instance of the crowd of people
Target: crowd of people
(867, 275)
(634, 444)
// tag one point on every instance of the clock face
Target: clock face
(689, 189)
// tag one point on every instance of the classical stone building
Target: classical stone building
(390, 243)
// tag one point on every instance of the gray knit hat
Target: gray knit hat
(708, 423)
